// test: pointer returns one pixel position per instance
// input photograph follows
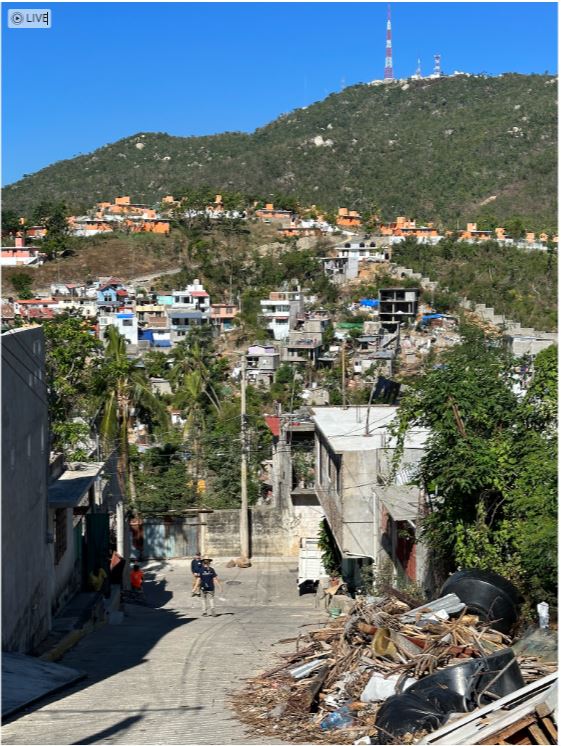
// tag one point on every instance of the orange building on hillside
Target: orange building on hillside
(348, 218)
(472, 234)
(148, 225)
(405, 227)
(269, 212)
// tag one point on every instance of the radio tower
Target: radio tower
(388, 69)
(437, 72)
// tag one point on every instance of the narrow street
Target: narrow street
(164, 674)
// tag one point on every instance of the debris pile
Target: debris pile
(386, 673)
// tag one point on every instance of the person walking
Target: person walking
(196, 567)
(206, 582)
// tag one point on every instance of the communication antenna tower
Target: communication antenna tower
(388, 69)
(437, 71)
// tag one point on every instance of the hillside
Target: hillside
(521, 285)
(449, 149)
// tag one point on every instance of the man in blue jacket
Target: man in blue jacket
(206, 582)
(196, 567)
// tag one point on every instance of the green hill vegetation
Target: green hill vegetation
(521, 285)
(446, 150)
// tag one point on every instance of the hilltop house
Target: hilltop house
(361, 250)
(402, 228)
(348, 218)
(20, 255)
(270, 213)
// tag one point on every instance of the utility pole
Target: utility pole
(343, 373)
(244, 513)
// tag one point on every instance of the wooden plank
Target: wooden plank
(549, 726)
(538, 735)
(543, 709)
(302, 701)
(510, 730)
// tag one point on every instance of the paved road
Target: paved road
(164, 675)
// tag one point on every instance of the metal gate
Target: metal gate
(166, 539)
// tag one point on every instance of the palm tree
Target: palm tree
(127, 390)
(189, 359)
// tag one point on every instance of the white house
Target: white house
(126, 324)
(279, 311)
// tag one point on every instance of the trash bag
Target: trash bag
(487, 594)
(427, 704)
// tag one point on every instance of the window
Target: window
(127, 322)
(60, 534)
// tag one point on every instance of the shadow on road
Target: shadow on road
(112, 648)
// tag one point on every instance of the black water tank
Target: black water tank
(487, 594)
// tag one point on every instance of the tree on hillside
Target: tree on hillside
(55, 219)
(10, 222)
(480, 462)
(22, 283)
(514, 227)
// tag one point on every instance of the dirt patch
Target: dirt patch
(122, 256)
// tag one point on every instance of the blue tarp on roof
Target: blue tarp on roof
(370, 302)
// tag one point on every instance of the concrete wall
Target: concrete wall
(66, 574)
(26, 561)
(304, 521)
(344, 487)
(270, 533)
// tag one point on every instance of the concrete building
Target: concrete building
(398, 306)
(270, 213)
(125, 322)
(529, 341)
(190, 307)
(340, 269)
(262, 364)
(72, 496)
(292, 476)
(26, 558)
(353, 457)
(222, 316)
(362, 250)
(348, 218)
(20, 255)
(279, 312)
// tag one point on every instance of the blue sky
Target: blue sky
(107, 70)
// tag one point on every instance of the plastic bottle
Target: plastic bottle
(341, 718)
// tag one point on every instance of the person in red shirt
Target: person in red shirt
(137, 578)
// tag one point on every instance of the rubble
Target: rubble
(339, 684)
